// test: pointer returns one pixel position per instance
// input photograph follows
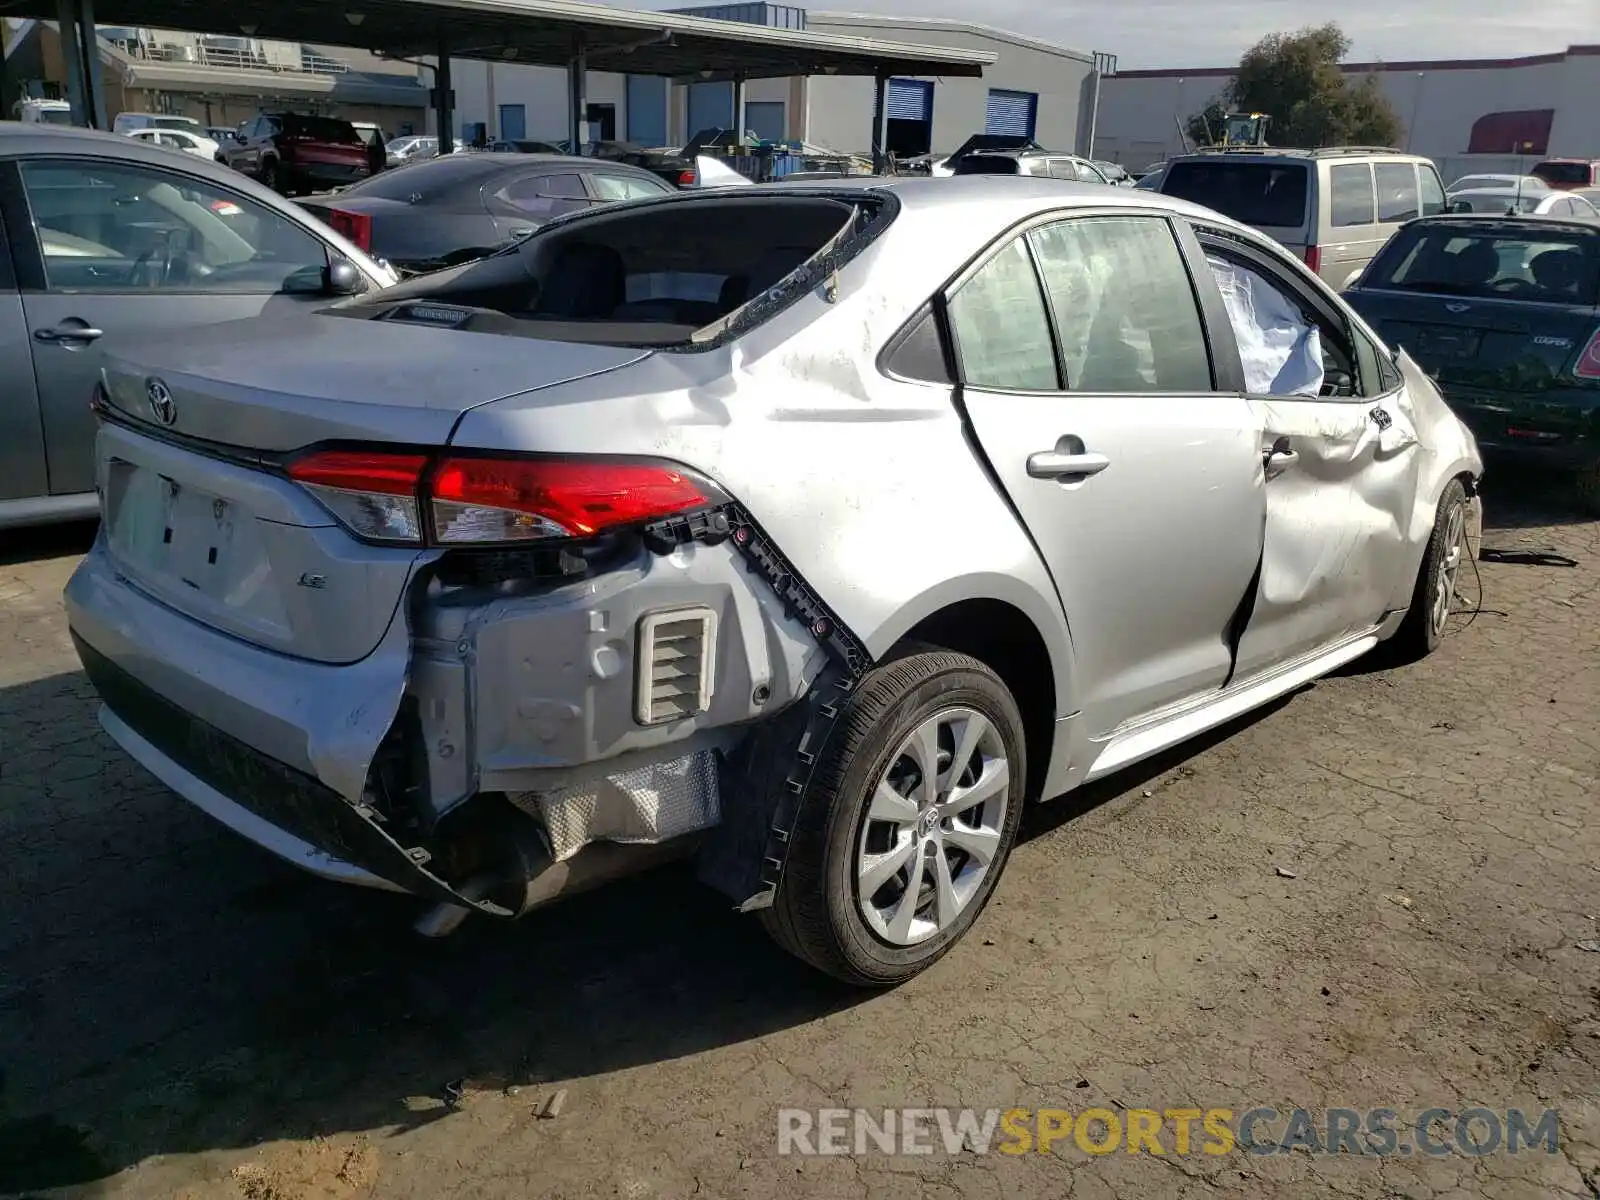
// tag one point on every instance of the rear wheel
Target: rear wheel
(1435, 593)
(277, 177)
(911, 813)
(1588, 489)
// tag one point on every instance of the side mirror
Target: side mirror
(1351, 279)
(341, 278)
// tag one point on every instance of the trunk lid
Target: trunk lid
(218, 533)
(1507, 366)
(279, 383)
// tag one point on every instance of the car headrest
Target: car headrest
(1557, 270)
(1476, 263)
(585, 282)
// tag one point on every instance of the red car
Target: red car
(1569, 174)
(293, 152)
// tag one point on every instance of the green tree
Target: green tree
(1295, 77)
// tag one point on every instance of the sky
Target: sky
(1183, 33)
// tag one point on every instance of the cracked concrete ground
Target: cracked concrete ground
(182, 1016)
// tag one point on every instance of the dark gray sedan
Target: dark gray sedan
(107, 236)
(459, 207)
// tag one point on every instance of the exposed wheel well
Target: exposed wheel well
(1003, 638)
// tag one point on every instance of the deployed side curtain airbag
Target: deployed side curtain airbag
(1280, 349)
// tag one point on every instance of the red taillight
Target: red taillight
(373, 494)
(481, 500)
(1588, 364)
(353, 225)
(504, 500)
(686, 178)
(1314, 259)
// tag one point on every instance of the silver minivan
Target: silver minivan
(1334, 207)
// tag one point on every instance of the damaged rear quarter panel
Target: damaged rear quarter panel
(866, 484)
(519, 693)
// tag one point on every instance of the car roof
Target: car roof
(1021, 194)
(1293, 154)
(1534, 220)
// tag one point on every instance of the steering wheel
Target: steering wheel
(165, 275)
(1513, 287)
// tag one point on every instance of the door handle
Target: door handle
(1055, 464)
(1279, 457)
(67, 333)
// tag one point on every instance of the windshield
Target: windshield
(1513, 261)
(986, 164)
(1263, 194)
(55, 116)
(174, 123)
(1563, 172)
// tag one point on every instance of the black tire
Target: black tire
(1587, 488)
(278, 178)
(1419, 634)
(815, 914)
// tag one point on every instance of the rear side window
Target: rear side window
(545, 196)
(1512, 263)
(1350, 195)
(1001, 330)
(1263, 194)
(1125, 313)
(1397, 191)
(626, 187)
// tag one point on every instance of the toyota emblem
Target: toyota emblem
(162, 404)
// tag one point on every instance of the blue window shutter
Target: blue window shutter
(647, 110)
(909, 100)
(710, 107)
(1011, 113)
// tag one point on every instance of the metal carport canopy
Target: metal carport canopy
(545, 32)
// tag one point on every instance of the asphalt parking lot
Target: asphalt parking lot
(1383, 892)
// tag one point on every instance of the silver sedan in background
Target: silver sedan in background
(814, 531)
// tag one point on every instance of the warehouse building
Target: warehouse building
(1034, 89)
(1468, 115)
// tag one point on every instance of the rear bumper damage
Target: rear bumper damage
(490, 753)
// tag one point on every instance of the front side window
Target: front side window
(1001, 330)
(1125, 312)
(1350, 195)
(113, 228)
(545, 196)
(1397, 191)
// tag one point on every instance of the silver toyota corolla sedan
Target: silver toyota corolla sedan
(813, 531)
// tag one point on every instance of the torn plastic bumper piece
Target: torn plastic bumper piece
(302, 807)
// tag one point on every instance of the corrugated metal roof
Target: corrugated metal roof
(544, 32)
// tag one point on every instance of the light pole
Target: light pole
(1104, 65)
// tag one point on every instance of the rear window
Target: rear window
(322, 129)
(1509, 262)
(1498, 202)
(431, 179)
(986, 164)
(657, 274)
(1271, 195)
(1568, 173)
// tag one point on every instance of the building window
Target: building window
(1012, 114)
